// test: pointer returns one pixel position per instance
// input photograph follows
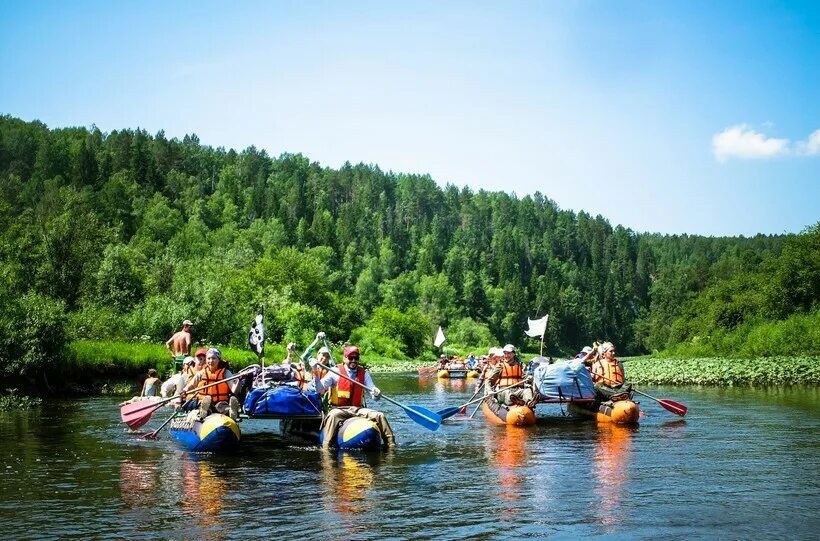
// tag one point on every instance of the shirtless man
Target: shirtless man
(180, 344)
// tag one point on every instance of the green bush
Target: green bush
(32, 334)
(466, 333)
(409, 328)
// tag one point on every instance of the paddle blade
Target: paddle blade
(448, 412)
(136, 414)
(426, 418)
(675, 407)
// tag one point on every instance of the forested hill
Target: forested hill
(125, 234)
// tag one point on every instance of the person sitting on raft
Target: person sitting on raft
(176, 382)
(608, 375)
(508, 372)
(151, 385)
(347, 398)
(323, 356)
(471, 362)
(587, 355)
(219, 397)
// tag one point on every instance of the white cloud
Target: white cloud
(811, 146)
(741, 141)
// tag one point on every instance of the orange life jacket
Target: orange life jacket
(347, 393)
(218, 393)
(510, 373)
(609, 373)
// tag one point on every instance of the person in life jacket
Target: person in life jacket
(349, 400)
(608, 375)
(220, 397)
(509, 372)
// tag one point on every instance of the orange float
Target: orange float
(623, 412)
(499, 414)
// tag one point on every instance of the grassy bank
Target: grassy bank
(111, 367)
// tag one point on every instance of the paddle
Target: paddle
(426, 418)
(137, 414)
(669, 405)
(153, 435)
(449, 412)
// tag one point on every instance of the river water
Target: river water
(743, 464)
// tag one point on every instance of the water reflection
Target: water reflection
(505, 447)
(611, 469)
(204, 491)
(138, 480)
(347, 480)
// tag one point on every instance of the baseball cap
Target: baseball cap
(349, 350)
(188, 322)
(509, 348)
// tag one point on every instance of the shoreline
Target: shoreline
(116, 380)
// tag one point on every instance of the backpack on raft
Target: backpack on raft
(282, 400)
(563, 380)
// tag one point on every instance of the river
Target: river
(742, 464)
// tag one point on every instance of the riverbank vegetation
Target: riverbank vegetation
(117, 237)
(757, 371)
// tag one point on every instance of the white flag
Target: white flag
(537, 327)
(256, 336)
(439, 337)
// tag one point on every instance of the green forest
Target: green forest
(122, 235)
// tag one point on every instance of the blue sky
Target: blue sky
(672, 117)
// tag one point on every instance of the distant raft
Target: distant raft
(453, 373)
(499, 414)
(215, 433)
(622, 412)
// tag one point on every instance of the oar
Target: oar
(136, 414)
(669, 405)
(153, 435)
(426, 418)
(449, 412)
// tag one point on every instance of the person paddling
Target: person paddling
(218, 397)
(608, 375)
(348, 399)
(508, 372)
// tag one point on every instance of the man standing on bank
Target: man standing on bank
(180, 343)
(348, 400)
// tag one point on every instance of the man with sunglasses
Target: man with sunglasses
(347, 399)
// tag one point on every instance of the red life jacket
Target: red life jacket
(347, 393)
(609, 373)
(510, 373)
(218, 393)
